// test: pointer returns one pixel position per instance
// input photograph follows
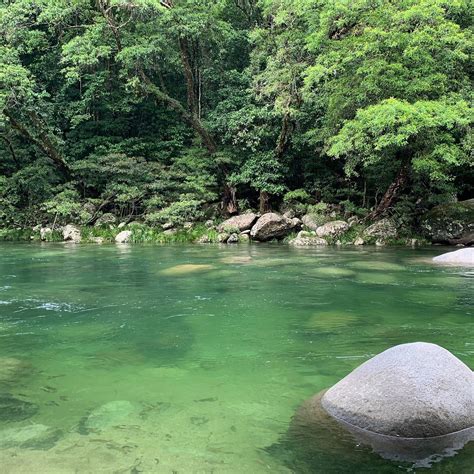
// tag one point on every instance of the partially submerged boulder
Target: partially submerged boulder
(460, 257)
(272, 226)
(332, 229)
(15, 409)
(416, 390)
(240, 223)
(71, 233)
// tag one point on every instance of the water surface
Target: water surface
(194, 358)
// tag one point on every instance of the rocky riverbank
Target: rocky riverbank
(448, 224)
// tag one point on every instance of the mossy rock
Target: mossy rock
(450, 223)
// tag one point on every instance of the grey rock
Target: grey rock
(296, 222)
(167, 226)
(35, 436)
(359, 241)
(105, 220)
(170, 231)
(417, 390)
(289, 214)
(240, 223)
(233, 239)
(463, 257)
(209, 223)
(71, 233)
(45, 233)
(123, 237)
(271, 226)
(450, 223)
(332, 229)
(188, 225)
(383, 229)
(313, 221)
(97, 240)
(108, 415)
(223, 237)
(121, 225)
(352, 221)
(204, 239)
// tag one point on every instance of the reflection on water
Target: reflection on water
(196, 358)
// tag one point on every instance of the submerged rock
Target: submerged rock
(14, 409)
(459, 257)
(271, 226)
(29, 437)
(108, 415)
(416, 390)
(185, 269)
(240, 223)
(71, 233)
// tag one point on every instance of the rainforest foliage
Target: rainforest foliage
(178, 110)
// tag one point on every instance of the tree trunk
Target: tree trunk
(264, 202)
(392, 194)
(229, 201)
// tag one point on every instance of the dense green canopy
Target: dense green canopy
(177, 109)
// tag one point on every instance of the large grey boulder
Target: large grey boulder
(271, 226)
(450, 223)
(332, 229)
(71, 233)
(459, 257)
(416, 390)
(383, 229)
(240, 223)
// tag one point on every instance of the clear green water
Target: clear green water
(213, 360)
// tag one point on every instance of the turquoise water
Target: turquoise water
(195, 358)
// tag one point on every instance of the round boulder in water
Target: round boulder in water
(416, 390)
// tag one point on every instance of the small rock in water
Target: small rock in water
(233, 239)
(108, 415)
(29, 437)
(14, 409)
